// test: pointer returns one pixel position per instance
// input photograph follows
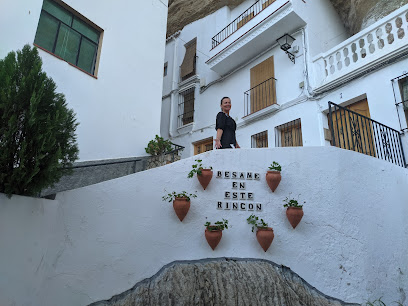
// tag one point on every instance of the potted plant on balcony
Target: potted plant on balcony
(181, 202)
(273, 175)
(264, 234)
(294, 211)
(204, 175)
(213, 232)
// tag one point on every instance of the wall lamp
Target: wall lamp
(285, 43)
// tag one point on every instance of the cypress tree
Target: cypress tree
(37, 130)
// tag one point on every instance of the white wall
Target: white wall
(206, 104)
(120, 111)
(27, 228)
(324, 26)
(328, 28)
(102, 239)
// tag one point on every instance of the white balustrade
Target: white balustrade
(372, 44)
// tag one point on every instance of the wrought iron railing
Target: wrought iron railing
(353, 131)
(175, 151)
(238, 22)
(260, 96)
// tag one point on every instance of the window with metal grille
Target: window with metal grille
(403, 84)
(186, 107)
(289, 134)
(68, 36)
(259, 140)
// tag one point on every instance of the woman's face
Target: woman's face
(226, 105)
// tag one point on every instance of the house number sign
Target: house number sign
(238, 198)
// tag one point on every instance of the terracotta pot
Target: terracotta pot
(213, 237)
(181, 207)
(265, 235)
(294, 215)
(273, 179)
(205, 177)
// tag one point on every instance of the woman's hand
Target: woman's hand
(217, 143)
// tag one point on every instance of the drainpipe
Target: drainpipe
(309, 93)
(173, 86)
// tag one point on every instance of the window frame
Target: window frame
(186, 58)
(182, 118)
(74, 16)
(165, 68)
(286, 127)
(201, 144)
(401, 83)
(262, 136)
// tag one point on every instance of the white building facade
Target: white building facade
(282, 100)
(105, 62)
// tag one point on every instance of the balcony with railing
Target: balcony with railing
(260, 97)
(382, 42)
(355, 132)
(252, 32)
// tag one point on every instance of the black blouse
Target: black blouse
(228, 126)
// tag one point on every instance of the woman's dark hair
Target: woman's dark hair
(224, 98)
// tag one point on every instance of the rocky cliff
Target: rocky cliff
(183, 12)
(355, 14)
(223, 282)
(359, 14)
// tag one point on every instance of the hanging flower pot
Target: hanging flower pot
(294, 215)
(181, 202)
(265, 236)
(205, 177)
(213, 232)
(181, 207)
(273, 176)
(213, 237)
(294, 211)
(273, 179)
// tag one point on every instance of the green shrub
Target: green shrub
(37, 130)
(158, 146)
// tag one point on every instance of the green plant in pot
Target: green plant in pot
(213, 232)
(273, 175)
(181, 202)
(204, 175)
(264, 234)
(294, 211)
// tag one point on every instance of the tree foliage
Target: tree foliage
(37, 130)
(158, 146)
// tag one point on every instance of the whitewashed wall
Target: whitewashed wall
(27, 228)
(327, 28)
(100, 240)
(207, 104)
(120, 111)
(324, 26)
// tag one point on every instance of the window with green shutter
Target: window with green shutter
(67, 36)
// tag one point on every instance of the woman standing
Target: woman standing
(225, 127)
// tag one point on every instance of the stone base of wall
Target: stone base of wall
(161, 160)
(224, 281)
